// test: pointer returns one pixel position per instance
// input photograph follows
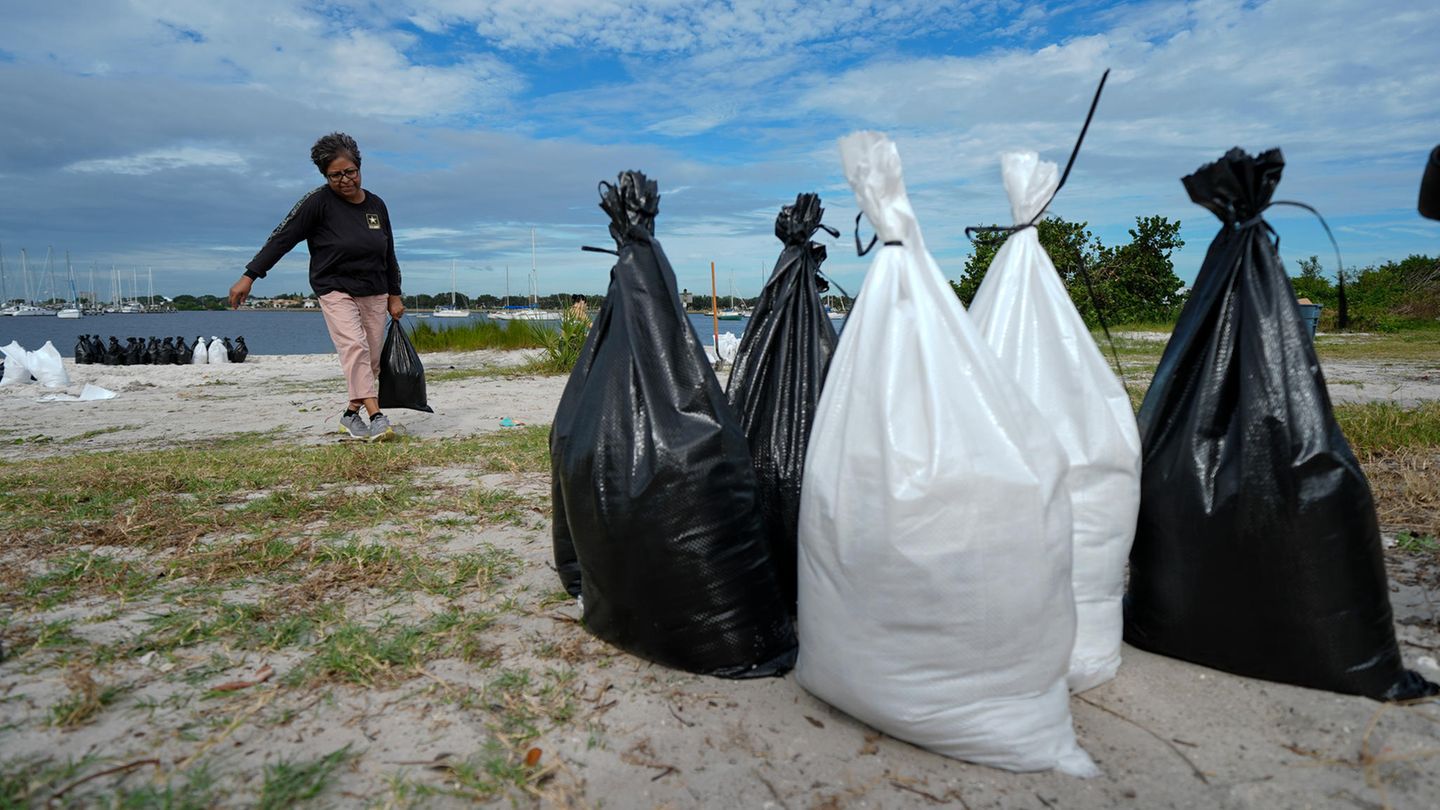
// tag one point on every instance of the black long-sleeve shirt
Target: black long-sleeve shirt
(351, 247)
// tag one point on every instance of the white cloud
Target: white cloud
(160, 160)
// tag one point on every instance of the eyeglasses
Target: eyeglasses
(349, 174)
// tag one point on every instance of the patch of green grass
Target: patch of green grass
(499, 506)
(288, 783)
(1408, 345)
(264, 627)
(195, 790)
(24, 781)
(170, 497)
(1415, 543)
(456, 374)
(1387, 427)
(90, 434)
(88, 571)
(366, 655)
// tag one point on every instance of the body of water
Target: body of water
(265, 332)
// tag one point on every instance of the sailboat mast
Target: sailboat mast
(4, 296)
(25, 274)
(534, 277)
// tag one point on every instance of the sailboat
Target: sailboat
(451, 311)
(27, 309)
(72, 311)
(532, 310)
(730, 313)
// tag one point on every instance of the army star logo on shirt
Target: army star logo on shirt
(373, 220)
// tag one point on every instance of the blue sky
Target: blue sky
(174, 135)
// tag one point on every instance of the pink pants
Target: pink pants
(357, 325)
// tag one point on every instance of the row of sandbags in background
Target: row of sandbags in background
(159, 352)
(971, 481)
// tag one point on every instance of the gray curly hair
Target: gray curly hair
(332, 146)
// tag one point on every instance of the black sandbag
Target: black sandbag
(778, 371)
(238, 350)
(114, 353)
(402, 376)
(82, 351)
(134, 352)
(1430, 187)
(1257, 550)
(655, 519)
(165, 355)
(152, 351)
(183, 351)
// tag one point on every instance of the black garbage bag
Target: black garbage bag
(1257, 550)
(655, 519)
(402, 377)
(82, 351)
(152, 351)
(1430, 187)
(114, 353)
(238, 351)
(134, 352)
(779, 369)
(165, 355)
(183, 351)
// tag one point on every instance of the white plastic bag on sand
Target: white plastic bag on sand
(201, 355)
(1026, 316)
(217, 351)
(725, 346)
(17, 370)
(934, 543)
(47, 365)
(90, 393)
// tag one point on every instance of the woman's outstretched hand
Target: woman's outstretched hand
(240, 290)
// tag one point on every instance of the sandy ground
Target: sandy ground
(1164, 733)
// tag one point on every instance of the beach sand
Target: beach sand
(296, 397)
(1164, 733)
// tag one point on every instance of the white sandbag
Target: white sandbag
(1026, 316)
(726, 346)
(201, 355)
(934, 542)
(47, 365)
(217, 351)
(17, 369)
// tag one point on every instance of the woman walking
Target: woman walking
(352, 270)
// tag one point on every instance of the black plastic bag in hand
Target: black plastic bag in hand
(402, 377)
(775, 383)
(1257, 550)
(655, 519)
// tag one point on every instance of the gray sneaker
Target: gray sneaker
(353, 426)
(380, 430)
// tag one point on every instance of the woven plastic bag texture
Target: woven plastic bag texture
(778, 373)
(1257, 550)
(656, 525)
(934, 548)
(1025, 315)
